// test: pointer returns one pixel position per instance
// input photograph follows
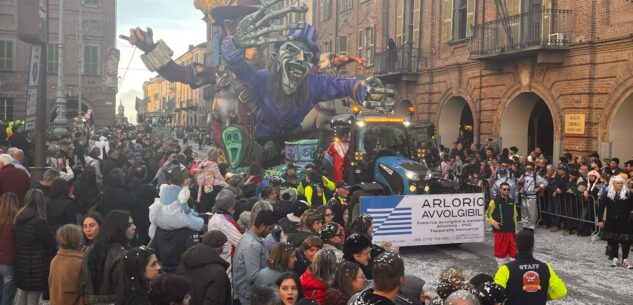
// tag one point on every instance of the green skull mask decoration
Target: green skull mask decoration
(295, 62)
(233, 140)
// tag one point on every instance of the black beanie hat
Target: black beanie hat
(525, 241)
(490, 293)
(355, 243)
(214, 238)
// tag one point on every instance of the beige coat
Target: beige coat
(62, 279)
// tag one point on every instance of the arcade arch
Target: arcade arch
(454, 116)
(527, 123)
(620, 134)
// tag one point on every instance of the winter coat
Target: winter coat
(210, 285)
(115, 197)
(61, 211)
(63, 277)
(313, 287)
(137, 299)
(87, 196)
(233, 231)
(618, 225)
(113, 270)
(14, 180)
(368, 297)
(250, 257)
(7, 244)
(170, 245)
(33, 244)
(97, 166)
(144, 194)
(266, 277)
(335, 296)
(170, 211)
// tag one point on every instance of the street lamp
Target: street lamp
(60, 122)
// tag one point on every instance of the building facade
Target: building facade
(91, 60)
(185, 107)
(549, 73)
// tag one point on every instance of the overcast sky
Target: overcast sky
(177, 22)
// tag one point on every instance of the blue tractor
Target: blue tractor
(388, 155)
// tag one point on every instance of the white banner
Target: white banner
(417, 220)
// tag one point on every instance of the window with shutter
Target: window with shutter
(91, 60)
(417, 23)
(6, 109)
(470, 17)
(400, 22)
(7, 52)
(447, 22)
(51, 58)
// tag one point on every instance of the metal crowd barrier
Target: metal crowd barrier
(573, 211)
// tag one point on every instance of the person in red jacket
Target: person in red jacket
(12, 179)
(318, 278)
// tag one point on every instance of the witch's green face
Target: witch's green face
(233, 139)
(295, 60)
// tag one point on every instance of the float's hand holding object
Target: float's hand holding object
(378, 96)
(250, 31)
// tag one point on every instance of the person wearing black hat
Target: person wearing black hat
(527, 280)
(357, 248)
(290, 224)
(341, 194)
(332, 236)
(206, 270)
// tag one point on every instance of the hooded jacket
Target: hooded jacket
(33, 247)
(206, 270)
(170, 245)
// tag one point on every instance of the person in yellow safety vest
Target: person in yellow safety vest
(527, 280)
(327, 184)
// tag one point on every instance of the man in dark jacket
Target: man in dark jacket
(170, 245)
(206, 270)
(388, 275)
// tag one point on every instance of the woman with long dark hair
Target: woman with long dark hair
(140, 268)
(33, 244)
(9, 206)
(91, 224)
(102, 267)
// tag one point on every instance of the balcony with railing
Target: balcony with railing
(532, 32)
(403, 62)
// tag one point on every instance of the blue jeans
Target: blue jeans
(7, 284)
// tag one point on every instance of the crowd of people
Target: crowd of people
(121, 217)
(578, 194)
